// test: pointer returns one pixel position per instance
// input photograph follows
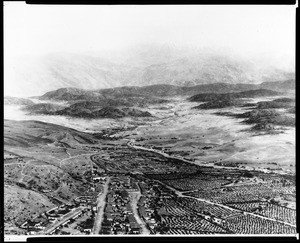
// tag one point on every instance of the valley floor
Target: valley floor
(186, 172)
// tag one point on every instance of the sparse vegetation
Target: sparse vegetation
(47, 165)
(42, 108)
(222, 103)
(106, 112)
(208, 97)
(267, 116)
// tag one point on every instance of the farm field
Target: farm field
(188, 181)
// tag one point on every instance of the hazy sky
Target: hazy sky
(39, 29)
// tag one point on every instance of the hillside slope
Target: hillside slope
(42, 108)
(105, 112)
(35, 177)
(237, 95)
(31, 133)
(155, 93)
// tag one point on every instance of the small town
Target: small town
(188, 201)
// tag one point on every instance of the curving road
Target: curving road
(79, 155)
(179, 193)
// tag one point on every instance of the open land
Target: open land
(180, 171)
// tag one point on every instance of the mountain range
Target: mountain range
(124, 101)
(146, 94)
(142, 66)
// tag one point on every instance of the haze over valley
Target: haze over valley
(158, 64)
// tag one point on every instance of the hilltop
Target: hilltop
(280, 85)
(113, 102)
(279, 103)
(267, 116)
(124, 96)
(264, 119)
(105, 112)
(153, 93)
(67, 94)
(215, 104)
(237, 95)
(31, 133)
(89, 109)
(214, 101)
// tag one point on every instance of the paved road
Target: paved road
(100, 208)
(204, 164)
(200, 199)
(131, 144)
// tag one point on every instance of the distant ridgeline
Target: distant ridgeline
(147, 65)
(123, 101)
(264, 114)
(160, 90)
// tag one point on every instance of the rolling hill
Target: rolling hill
(215, 104)
(31, 133)
(274, 104)
(154, 93)
(42, 108)
(215, 100)
(280, 85)
(230, 96)
(267, 116)
(34, 178)
(105, 112)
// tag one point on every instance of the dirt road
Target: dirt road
(135, 196)
(66, 217)
(179, 194)
(100, 208)
(75, 156)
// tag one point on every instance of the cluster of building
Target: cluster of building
(35, 225)
(56, 218)
(83, 200)
(146, 213)
(54, 215)
(153, 194)
(66, 221)
(118, 213)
